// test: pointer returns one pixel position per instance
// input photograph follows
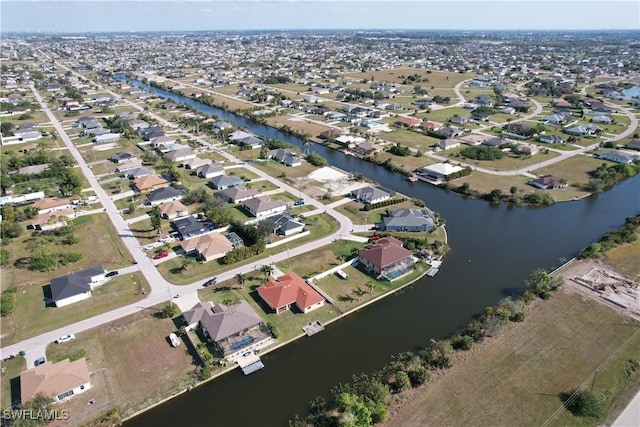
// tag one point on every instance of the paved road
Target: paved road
(630, 417)
(161, 290)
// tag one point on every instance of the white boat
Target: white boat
(174, 340)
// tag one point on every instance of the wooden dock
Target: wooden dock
(313, 328)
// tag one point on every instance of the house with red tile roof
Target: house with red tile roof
(289, 289)
(387, 258)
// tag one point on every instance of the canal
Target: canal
(493, 249)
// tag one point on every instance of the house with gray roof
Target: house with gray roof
(619, 157)
(231, 329)
(210, 170)
(285, 156)
(263, 206)
(162, 195)
(370, 195)
(408, 220)
(222, 182)
(138, 172)
(285, 225)
(76, 286)
(237, 194)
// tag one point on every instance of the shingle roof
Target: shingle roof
(163, 194)
(223, 322)
(384, 252)
(53, 379)
(74, 283)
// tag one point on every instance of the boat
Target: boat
(412, 178)
(174, 340)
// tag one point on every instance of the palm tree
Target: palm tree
(370, 286)
(240, 279)
(267, 270)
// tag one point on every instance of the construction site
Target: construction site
(595, 279)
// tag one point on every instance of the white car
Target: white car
(65, 338)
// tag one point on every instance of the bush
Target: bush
(316, 159)
(419, 376)
(481, 152)
(8, 301)
(462, 342)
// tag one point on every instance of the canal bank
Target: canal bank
(505, 243)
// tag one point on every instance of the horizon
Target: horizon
(150, 16)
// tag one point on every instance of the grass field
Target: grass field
(31, 317)
(624, 259)
(437, 79)
(10, 370)
(410, 139)
(297, 124)
(574, 170)
(485, 183)
(520, 374)
(97, 241)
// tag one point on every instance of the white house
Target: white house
(263, 206)
(76, 286)
(61, 381)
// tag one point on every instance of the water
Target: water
(493, 249)
(632, 92)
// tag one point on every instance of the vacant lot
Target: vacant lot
(32, 316)
(297, 124)
(124, 347)
(574, 170)
(97, 242)
(436, 79)
(9, 385)
(412, 139)
(624, 259)
(519, 374)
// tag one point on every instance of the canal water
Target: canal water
(493, 249)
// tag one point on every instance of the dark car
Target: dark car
(112, 273)
(39, 361)
(210, 282)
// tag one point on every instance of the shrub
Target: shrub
(584, 404)
(8, 301)
(462, 342)
(419, 376)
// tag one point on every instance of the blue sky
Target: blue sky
(149, 15)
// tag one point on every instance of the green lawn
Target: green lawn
(10, 381)
(410, 138)
(243, 173)
(319, 226)
(97, 242)
(31, 317)
(624, 259)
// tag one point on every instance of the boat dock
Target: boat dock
(249, 363)
(313, 328)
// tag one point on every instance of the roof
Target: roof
(210, 168)
(442, 168)
(50, 202)
(163, 194)
(284, 222)
(407, 218)
(236, 193)
(208, 244)
(53, 379)
(223, 322)
(172, 207)
(74, 283)
(262, 204)
(384, 252)
(189, 225)
(225, 181)
(288, 289)
(370, 193)
(197, 312)
(149, 181)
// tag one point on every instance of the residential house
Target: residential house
(449, 132)
(107, 137)
(633, 145)
(76, 286)
(606, 120)
(582, 130)
(194, 164)
(190, 227)
(555, 119)
(232, 329)
(52, 204)
(122, 157)
(285, 225)
(285, 156)
(33, 170)
(551, 139)
(288, 290)
(546, 182)
(237, 194)
(61, 380)
(494, 142)
(408, 122)
(619, 157)
(51, 220)
(207, 246)
(447, 144)
(527, 149)
(127, 165)
(387, 258)
(210, 170)
(163, 195)
(438, 172)
(367, 148)
(407, 220)
(222, 182)
(147, 183)
(432, 126)
(180, 155)
(262, 206)
(162, 140)
(370, 195)
(137, 172)
(173, 209)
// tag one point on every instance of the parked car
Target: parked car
(210, 282)
(299, 202)
(65, 338)
(112, 273)
(162, 254)
(39, 361)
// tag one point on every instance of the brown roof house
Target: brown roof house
(51, 220)
(173, 209)
(52, 204)
(207, 246)
(62, 380)
(233, 330)
(289, 289)
(387, 258)
(149, 182)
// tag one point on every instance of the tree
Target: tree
(513, 190)
(402, 381)
(186, 263)
(169, 310)
(131, 207)
(316, 159)
(156, 222)
(267, 270)
(584, 403)
(370, 286)
(6, 128)
(240, 279)
(37, 405)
